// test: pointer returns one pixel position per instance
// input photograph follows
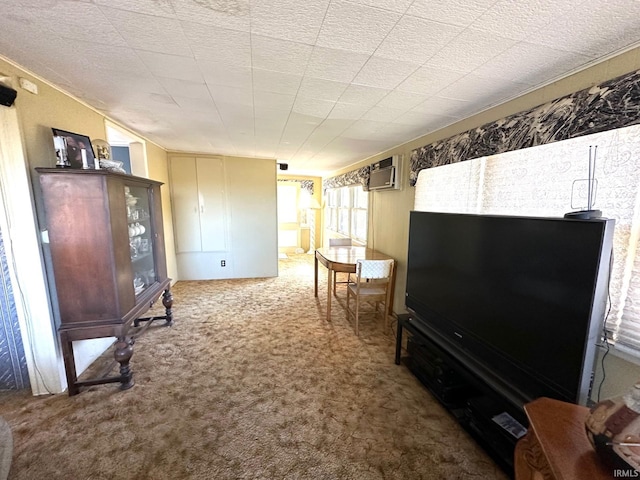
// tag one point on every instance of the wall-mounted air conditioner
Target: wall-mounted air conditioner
(385, 174)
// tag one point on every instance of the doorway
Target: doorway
(289, 232)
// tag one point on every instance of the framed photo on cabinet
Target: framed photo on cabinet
(73, 150)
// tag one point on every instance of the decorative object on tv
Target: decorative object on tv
(73, 150)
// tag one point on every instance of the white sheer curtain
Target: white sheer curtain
(550, 180)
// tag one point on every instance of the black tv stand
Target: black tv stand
(481, 408)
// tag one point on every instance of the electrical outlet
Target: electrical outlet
(223, 263)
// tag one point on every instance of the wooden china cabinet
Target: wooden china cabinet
(109, 262)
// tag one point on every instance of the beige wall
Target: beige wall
(159, 170)
(252, 197)
(389, 210)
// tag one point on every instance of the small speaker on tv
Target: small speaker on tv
(7, 95)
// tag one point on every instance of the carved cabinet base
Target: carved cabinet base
(123, 350)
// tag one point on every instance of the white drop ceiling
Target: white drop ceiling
(320, 84)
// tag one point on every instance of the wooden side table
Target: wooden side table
(556, 446)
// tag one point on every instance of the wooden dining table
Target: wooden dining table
(344, 259)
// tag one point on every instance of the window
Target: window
(346, 212)
(549, 180)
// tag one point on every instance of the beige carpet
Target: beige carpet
(249, 383)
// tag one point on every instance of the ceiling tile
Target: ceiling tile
(271, 115)
(161, 8)
(313, 106)
(229, 75)
(232, 95)
(398, 6)
(469, 50)
(275, 128)
(483, 92)
(171, 66)
(520, 20)
(531, 64)
(354, 27)
(362, 95)
(615, 24)
(279, 55)
(271, 100)
(147, 32)
(402, 100)
(454, 12)
(321, 89)
(379, 113)
(232, 15)
(219, 45)
(277, 82)
(333, 126)
(288, 19)
(422, 123)
(347, 111)
(416, 40)
(336, 65)
(428, 80)
(83, 22)
(447, 107)
(198, 105)
(234, 113)
(182, 88)
(384, 72)
(362, 129)
(299, 127)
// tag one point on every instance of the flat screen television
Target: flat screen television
(519, 300)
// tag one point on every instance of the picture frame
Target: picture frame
(74, 144)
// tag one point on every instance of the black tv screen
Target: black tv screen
(522, 296)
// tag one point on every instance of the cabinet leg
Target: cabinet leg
(69, 365)
(122, 354)
(167, 301)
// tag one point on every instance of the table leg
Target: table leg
(329, 288)
(315, 274)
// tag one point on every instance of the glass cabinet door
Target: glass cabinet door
(140, 237)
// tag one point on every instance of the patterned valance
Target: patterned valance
(612, 104)
(304, 184)
(354, 177)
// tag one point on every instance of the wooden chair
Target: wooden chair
(340, 242)
(373, 284)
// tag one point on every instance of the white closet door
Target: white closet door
(186, 215)
(212, 204)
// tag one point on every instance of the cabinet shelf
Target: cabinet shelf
(145, 218)
(137, 258)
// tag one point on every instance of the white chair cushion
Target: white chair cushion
(375, 268)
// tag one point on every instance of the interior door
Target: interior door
(288, 217)
(212, 204)
(186, 209)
